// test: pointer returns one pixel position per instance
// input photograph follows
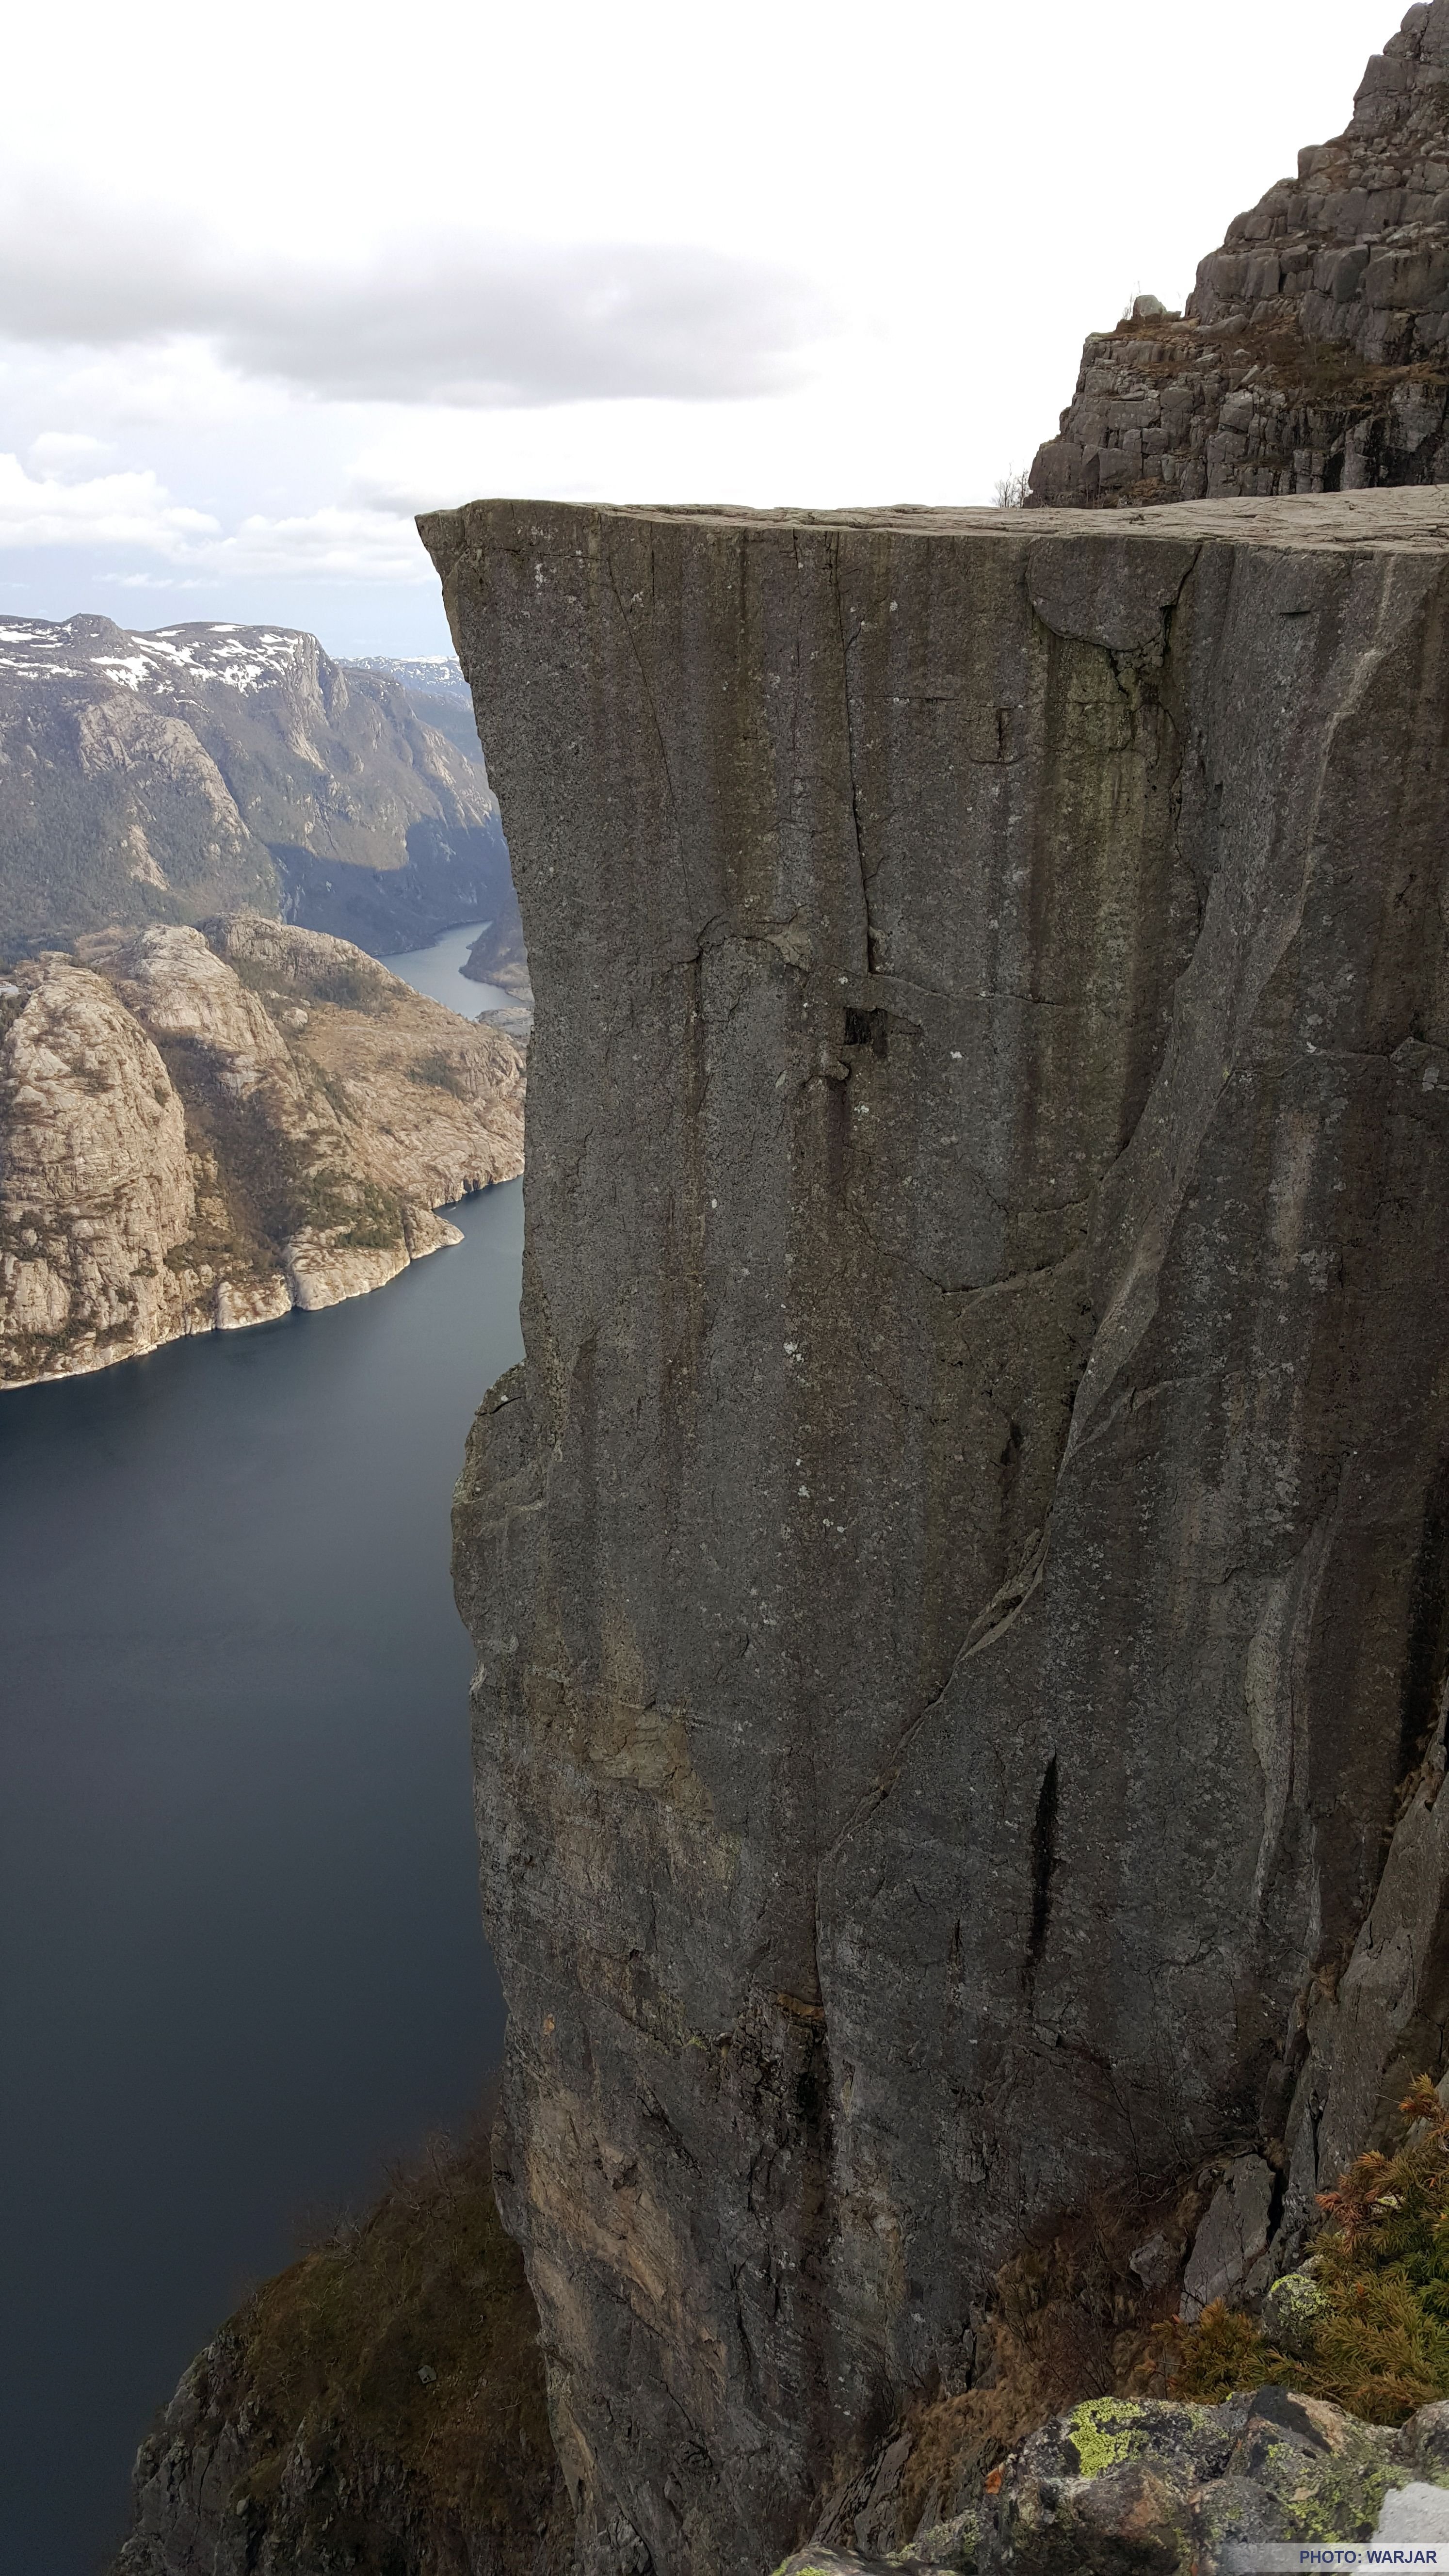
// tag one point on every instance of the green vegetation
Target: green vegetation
(1377, 2342)
(1326, 372)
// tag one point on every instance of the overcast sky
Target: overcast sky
(272, 280)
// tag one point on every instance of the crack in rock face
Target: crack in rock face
(958, 1581)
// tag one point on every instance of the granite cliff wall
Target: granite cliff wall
(960, 1582)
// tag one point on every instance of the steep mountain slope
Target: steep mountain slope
(439, 693)
(201, 1131)
(378, 2408)
(165, 776)
(1314, 353)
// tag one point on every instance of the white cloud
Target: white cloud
(61, 453)
(344, 544)
(105, 509)
(135, 512)
(431, 318)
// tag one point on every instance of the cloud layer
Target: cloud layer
(435, 319)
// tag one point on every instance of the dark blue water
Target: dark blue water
(240, 1957)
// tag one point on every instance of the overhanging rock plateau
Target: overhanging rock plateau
(960, 1582)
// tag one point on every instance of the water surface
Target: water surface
(438, 972)
(240, 1957)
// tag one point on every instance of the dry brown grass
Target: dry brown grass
(412, 2337)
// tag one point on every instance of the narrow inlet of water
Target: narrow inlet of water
(438, 972)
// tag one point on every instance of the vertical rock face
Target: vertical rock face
(1314, 353)
(960, 1580)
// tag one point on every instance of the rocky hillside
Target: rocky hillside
(200, 1129)
(1151, 2489)
(379, 2407)
(165, 777)
(440, 694)
(1314, 352)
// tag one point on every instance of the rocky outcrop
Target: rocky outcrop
(379, 2407)
(960, 1581)
(498, 957)
(1143, 2489)
(201, 1132)
(169, 776)
(1314, 353)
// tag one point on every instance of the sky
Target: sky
(272, 280)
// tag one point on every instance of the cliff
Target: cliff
(202, 1131)
(1314, 352)
(960, 1579)
(165, 777)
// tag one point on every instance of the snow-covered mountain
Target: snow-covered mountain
(431, 674)
(173, 774)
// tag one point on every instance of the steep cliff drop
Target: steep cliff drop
(1314, 353)
(960, 1582)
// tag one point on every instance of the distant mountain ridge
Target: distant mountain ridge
(431, 674)
(199, 768)
(436, 684)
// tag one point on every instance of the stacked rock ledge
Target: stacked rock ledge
(1314, 352)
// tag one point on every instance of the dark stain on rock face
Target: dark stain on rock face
(868, 1028)
(1424, 1660)
(1043, 1864)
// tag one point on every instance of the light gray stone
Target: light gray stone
(1415, 2513)
(1232, 2237)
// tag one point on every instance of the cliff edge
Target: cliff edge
(960, 1580)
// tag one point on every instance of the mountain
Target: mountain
(167, 776)
(202, 1129)
(1314, 352)
(436, 685)
(432, 675)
